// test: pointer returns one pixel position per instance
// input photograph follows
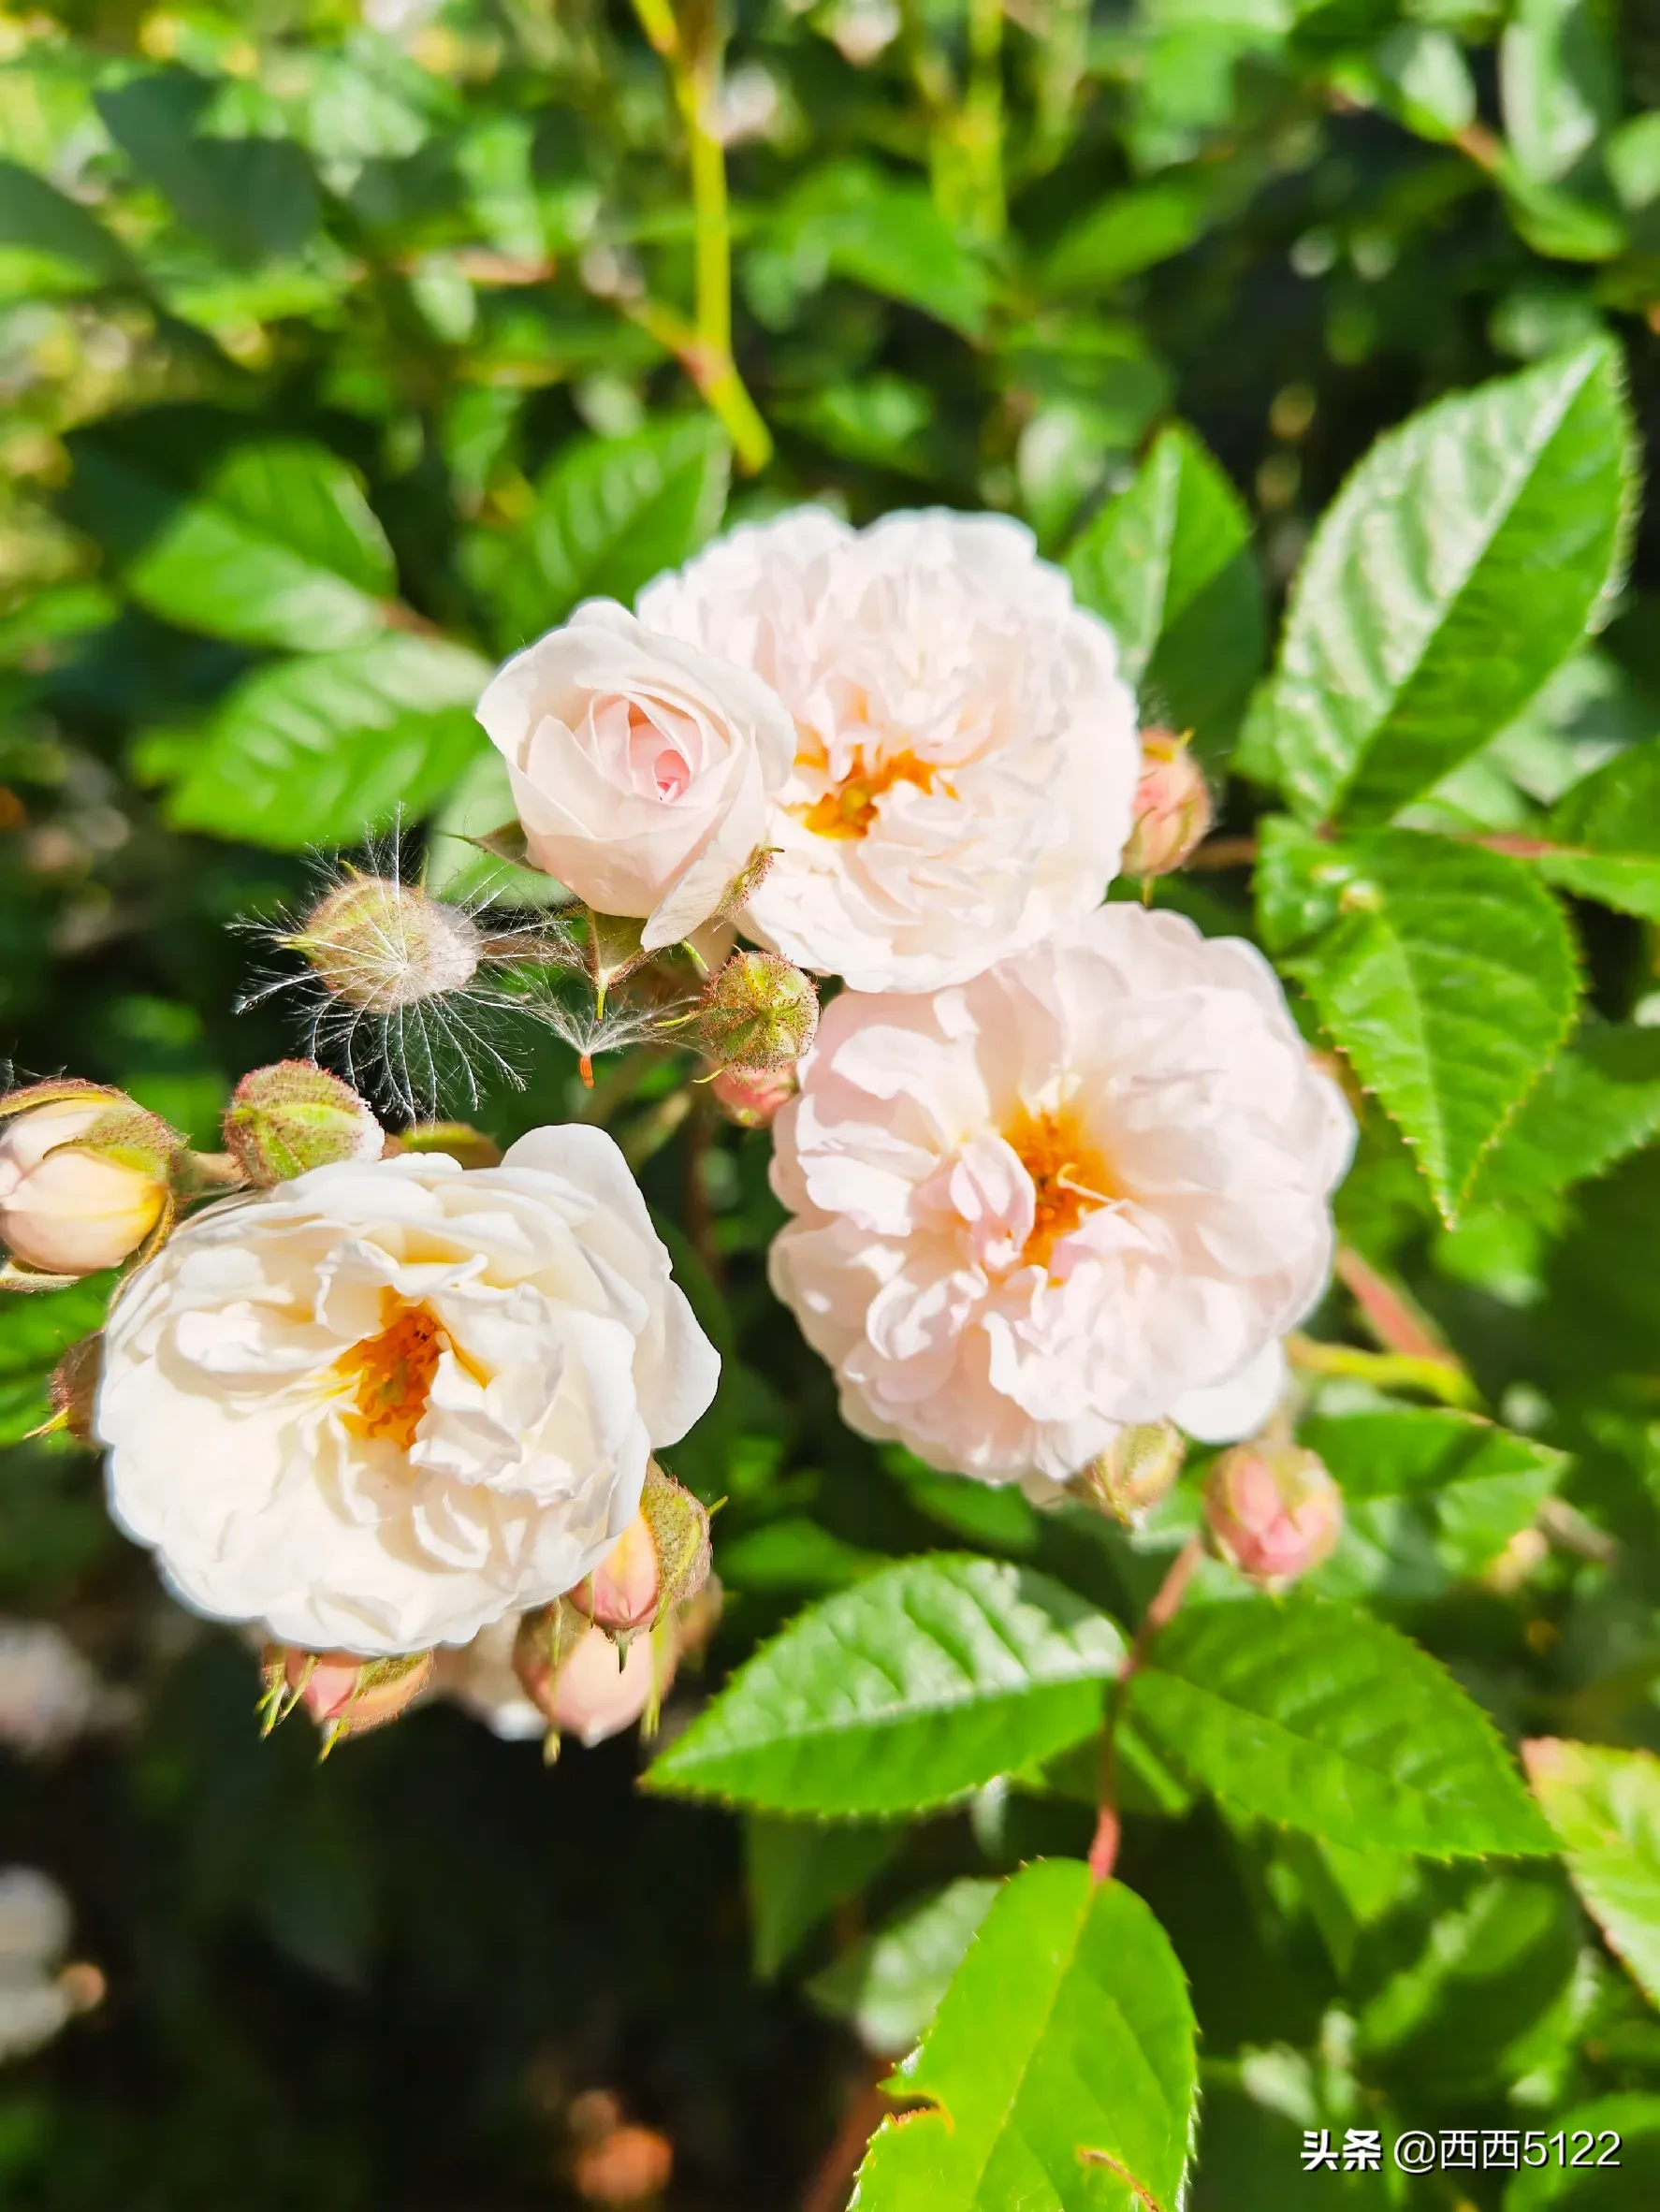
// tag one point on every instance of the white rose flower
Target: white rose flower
(966, 752)
(1087, 1189)
(380, 1406)
(641, 768)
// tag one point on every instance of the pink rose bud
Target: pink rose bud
(759, 1012)
(751, 1097)
(85, 1177)
(660, 1560)
(1136, 1471)
(381, 944)
(579, 1679)
(286, 1118)
(344, 1694)
(1172, 807)
(1272, 1511)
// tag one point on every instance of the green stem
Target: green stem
(982, 125)
(1060, 73)
(1386, 1371)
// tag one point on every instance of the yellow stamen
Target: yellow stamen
(848, 808)
(392, 1372)
(1071, 1179)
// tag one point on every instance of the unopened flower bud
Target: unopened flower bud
(1172, 807)
(662, 1559)
(344, 1694)
(1272, 1511)
(751, 1097)
(467, 1147)
(380, 944)
(581, 1681)
(74, 1386)
(759, 1012)
(286, 1118)
(85, 1176)
(1137, 1469)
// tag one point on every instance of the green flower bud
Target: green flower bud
(380, 944)
(286, 1118)
(1137, 1469)
(759, 1012)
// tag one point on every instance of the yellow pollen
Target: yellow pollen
(393, 1371)
(848, 808)
(1070, 1180)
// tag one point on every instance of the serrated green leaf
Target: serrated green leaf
(1604, 1806)
(1600, 1100)
(907, 1691)
(799, 1870)
(1602, 841)
(1060, 2068)
(611, 514)
(1418, 1477)
(889, 1986)
(1462, 561)
(276, 546)
(316, 752)
(1321, 1718)
(1170, 565)
(1448, 982)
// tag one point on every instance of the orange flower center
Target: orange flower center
(392, 1374)
(848, 808)
(1070, 1178)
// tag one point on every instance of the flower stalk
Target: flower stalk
(1166, 1603)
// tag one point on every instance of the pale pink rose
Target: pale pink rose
(641, 768)
(1088, 1188)
(966, 752)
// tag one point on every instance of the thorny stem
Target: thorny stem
(1166, 1603)
(704, 348)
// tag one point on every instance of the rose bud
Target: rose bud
(751, 1097)
(381, 945)
(581, 1681)
(1272, 1512)
(662, 1559)
(286, 1118)
(1172, 807)
(1136, 1471)
(760, 1013)
(85, 1177)
(344, 1694)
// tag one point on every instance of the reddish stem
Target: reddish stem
(1166, 1604)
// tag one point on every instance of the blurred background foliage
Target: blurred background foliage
(344, 348)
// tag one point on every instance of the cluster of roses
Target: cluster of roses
(1060, 1170)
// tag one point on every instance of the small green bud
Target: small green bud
(1137, 1469)
(293, 1115)
(380, 944)
(759, 1012)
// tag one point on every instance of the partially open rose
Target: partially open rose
(641, 768)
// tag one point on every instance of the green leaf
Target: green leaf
(1129, 231)
(1603, 835)
(1560, 84)
(1465, 1487)
(1060, 2068)
(1323, 1719)
(611, 514)
(1170, 565)
(1604, 1806)
(906, 1692)
(1594, 1104)
(254, 198)
(45, 221)
(889, 1986)
(276, 546)
(1448, 980)
(1633, 2119)
(1462, 561)
(798, 1872)
(316, 752)
(852, 221)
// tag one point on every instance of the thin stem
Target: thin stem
(982, 124)
(1166, 1604)
(1386, 1371)
(1060, 73)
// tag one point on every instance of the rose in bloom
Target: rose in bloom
(380, 1406)
(966, 753)
(641, 768)
(1088, 1188)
